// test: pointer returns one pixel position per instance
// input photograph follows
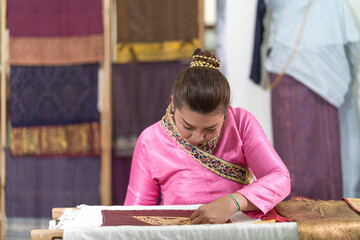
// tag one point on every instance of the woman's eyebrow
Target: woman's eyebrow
(213, 126)
(187, 123)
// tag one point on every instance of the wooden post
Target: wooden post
(105, 118)
(201, 23)
(3, 115)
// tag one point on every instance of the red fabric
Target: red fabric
(273, 214)
(125, 217)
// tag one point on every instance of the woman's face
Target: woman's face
(195, 127)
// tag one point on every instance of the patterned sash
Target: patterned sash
(215, 164)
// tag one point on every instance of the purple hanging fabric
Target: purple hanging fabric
(36, 185)
(141, 93)
(120, 178)
(307, 138)
(53, 95)
(43, 18)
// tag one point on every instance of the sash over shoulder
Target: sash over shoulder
(213, 163)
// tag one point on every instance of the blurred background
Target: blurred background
(80, 80)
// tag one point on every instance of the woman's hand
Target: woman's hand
(218, 211)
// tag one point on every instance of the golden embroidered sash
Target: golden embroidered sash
(213, 163)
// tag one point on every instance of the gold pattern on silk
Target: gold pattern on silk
(160, 221)
(73, 139)
(329, 229)
(306, 209)
(155, 51)
(322, 219)
(40, 51)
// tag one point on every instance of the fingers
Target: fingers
(195, 218)
(198, 217)
(194, 215)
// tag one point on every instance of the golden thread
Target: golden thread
(163, 221)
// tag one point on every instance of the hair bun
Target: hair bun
(204, 59)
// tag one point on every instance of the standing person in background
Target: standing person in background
(316, 87)
(203, 151)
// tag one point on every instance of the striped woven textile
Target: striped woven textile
(156, 30)
(307, 138)
(57, 32)
(36, 185)
(141, 94)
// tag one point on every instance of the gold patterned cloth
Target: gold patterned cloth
(70, 140)
(36, 51)
(56, 32)
(162, 217)
(322, 219)
(156, 30)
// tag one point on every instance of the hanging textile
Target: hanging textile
(307, 139)
(36, 185)
(56, 32)
(141, 93)
(324, 63)
(156, 30)
(255, 72)
(53, 95)
(120, 168)
(54, 110)
(70, 140)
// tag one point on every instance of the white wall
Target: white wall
(240, 26)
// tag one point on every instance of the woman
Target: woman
(203, 151)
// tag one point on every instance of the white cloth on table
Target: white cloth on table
(85, 224)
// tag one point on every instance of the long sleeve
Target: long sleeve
(142, 189)
(272, 182)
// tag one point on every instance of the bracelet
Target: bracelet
(237, 203)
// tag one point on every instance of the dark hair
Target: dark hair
(202, 87)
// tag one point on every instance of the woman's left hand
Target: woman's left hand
(218, 211)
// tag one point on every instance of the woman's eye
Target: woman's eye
(211, 130)
(187, 128)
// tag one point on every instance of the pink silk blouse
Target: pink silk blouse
(160, 164)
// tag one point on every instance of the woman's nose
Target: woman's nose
(197, 138)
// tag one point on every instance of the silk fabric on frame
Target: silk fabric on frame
(141, 91)
(156, 30)
(57, 32)
(36, 185)
(146, 217)
(53, 95)
(37, 51)
(55, 18)
(68, 140)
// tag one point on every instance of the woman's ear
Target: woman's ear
(172, 103)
